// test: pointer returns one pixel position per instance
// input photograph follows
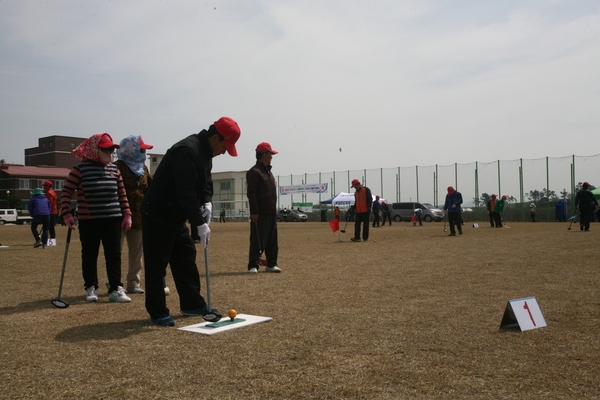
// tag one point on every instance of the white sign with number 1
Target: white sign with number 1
(523, 314)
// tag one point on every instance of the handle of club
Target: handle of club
(62, 274)
(207, 278)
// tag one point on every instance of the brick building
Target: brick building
(54, 151)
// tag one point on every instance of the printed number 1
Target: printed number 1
(525, 306)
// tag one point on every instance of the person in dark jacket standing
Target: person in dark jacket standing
(52, 198)
(490, 209)
(39, 209)
(363, 200)
(262, 198)
(587, 203)
(181, 191)
(454, 210)
(376, 211)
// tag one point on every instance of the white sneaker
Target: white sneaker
(118, 296)
(253, 270)
(91, 294)
(167, 291)
(273, 269)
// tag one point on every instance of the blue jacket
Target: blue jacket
(454, 198)
(38, 205)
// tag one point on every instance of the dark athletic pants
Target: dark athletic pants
(267, 231)
(454, 219)
(169, 244)
(92, 232)
(364, 219)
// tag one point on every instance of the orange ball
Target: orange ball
(232, 313)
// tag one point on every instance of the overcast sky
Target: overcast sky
(392, 83)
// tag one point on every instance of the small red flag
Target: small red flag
(335, 225)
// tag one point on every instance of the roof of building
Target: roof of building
(41, 171)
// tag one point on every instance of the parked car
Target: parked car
(291, 216)
(404, 211)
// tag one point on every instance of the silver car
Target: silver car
(291, 216)
(404, 211)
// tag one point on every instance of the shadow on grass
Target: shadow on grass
(105, 331)
(39, 305)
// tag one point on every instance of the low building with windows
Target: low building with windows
(16, 181)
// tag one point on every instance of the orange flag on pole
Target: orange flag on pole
(335, 225)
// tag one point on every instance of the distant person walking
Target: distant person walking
(385, 211)
(586, 202)
(452, 207)
(52, 198)
(336, 212)
(376, 211)
(222, 216)
(363, 200)
(532, 211)
(490, 209)
(39, 209)
(498, 210)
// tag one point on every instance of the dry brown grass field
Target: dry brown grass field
(411, 314)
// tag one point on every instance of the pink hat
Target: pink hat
(265, 147)
(230, 131)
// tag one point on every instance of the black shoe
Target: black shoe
(452, 234)
(460, 231)
(355, 240)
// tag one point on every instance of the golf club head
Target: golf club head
(59, 303)
(213, 315)
(343, 230)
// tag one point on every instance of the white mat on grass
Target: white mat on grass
(225, 324)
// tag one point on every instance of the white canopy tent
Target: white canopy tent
(347, 199)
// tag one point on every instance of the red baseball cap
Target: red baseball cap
(504, 197)
(585, 184)
(143, 145)
(355, 182)
(493, 196)
(450, 190)
(230, 131)
(265, 147)
(106, 142)
(47, 183)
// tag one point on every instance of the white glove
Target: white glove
(204, 233)
(207, 212)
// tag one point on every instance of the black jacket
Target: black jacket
(182, 183)
(262, 191)
(585, 201)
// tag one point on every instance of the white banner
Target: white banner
(308, 188)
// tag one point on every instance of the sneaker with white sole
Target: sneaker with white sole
(167, 290)
(91, 294)
(135, 290)
(273, 269)
(118, 296)
(253, 270)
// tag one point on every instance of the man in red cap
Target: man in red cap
(363, 200)
(498, 210)
(586, 202)
(52, 198)
(262, 198)
(181, 191)
(453, 209)
(490, 209)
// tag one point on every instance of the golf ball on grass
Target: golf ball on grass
(232, 314)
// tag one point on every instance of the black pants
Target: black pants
(584, 219)
(51, 229)
(454, 218)
(43, 220)
(388, 217)
(492, 219)
(375, 219)
(265, 230)
(92, 232)
(497, 219)
(169, 244)
(362, 218)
